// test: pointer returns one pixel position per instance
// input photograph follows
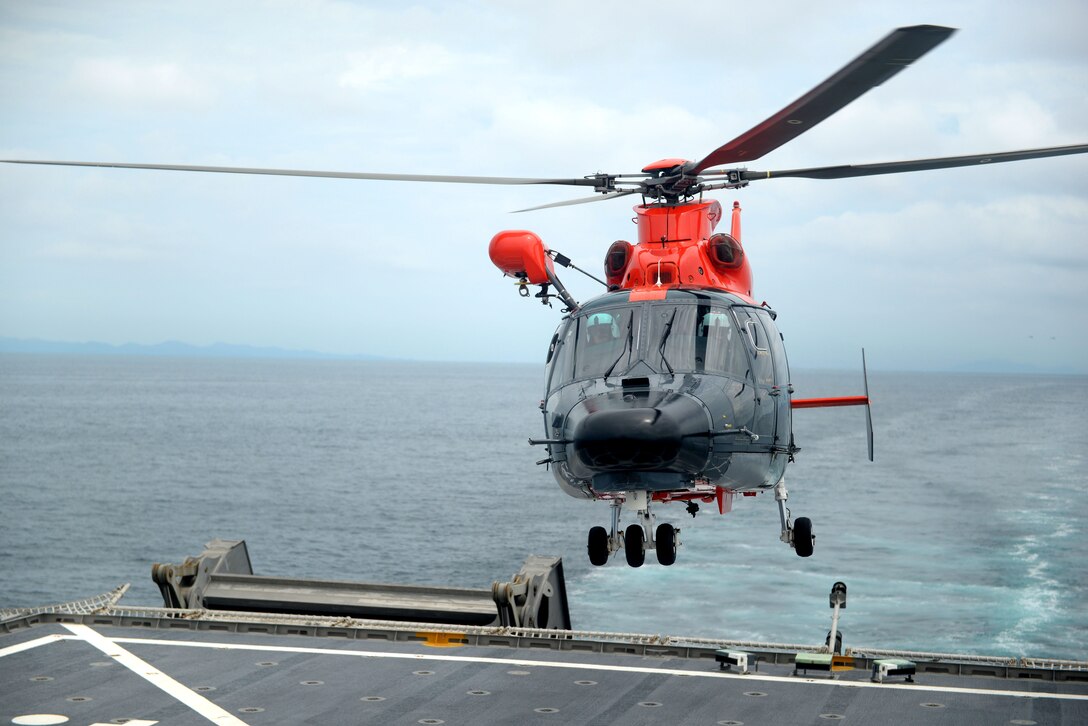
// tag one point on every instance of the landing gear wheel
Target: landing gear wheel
(598, 546)
(666, 544)
(634, 545)
(802, 536)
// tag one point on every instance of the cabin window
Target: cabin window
(760, 345)
(776, 347)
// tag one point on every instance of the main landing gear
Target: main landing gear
(637, 538)
(798, 535)
(665, 539)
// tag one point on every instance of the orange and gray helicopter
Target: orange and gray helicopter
(673, 385)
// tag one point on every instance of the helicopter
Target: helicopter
(673, 385)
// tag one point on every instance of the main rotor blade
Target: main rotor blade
(330, 174)
(892, 54)
(896, 167)
(580, 200)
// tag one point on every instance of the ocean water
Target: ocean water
(967, 535)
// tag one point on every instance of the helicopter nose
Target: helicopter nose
(628, 439)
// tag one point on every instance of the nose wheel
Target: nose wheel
(636, 539)
(634, 545)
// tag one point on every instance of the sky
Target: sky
(946, 270)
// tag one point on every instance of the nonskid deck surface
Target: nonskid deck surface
(190, 667)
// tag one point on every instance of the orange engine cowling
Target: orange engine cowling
(521, 254)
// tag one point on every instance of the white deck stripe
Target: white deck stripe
(30, 644)
(604, 667)
(190, 698)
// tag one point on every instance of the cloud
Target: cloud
(383, 67)
(135, 83)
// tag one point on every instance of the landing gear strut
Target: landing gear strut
(798, 535)
(637, 538)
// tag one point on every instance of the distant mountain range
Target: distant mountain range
(990, 365)
(170, 348)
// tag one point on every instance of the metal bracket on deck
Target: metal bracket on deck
(536, 597)
(222, 578)
(182, 586)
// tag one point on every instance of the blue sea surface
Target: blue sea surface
(967, 534)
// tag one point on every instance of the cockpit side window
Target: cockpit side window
(562, 357)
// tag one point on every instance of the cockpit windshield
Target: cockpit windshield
(605, 343)
(695, 338)
(679, 338)
(596, 345)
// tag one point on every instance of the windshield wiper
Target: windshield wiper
(664, 339)
(626, 346)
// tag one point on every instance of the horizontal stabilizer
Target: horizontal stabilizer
(830, 402)
(836, 401)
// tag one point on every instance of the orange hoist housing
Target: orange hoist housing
(521, 254)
